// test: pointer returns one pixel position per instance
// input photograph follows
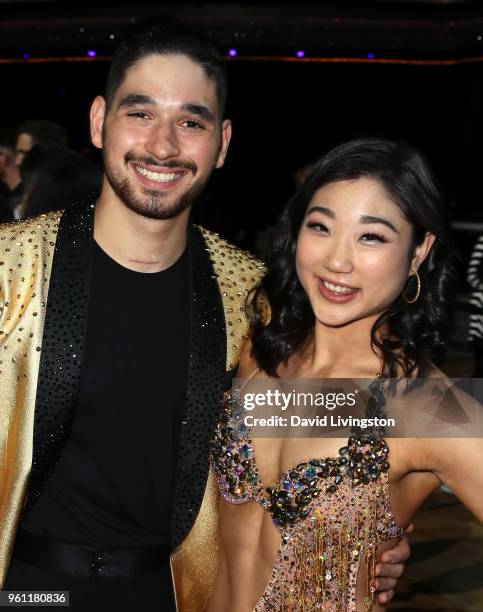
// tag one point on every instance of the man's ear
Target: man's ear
(225, 142)
(97, 117)
(422, 250)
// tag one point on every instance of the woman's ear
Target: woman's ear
(422, 251)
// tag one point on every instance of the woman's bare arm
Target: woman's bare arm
(457, 463)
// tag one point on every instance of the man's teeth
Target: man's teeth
(158, 176)
(337, 288)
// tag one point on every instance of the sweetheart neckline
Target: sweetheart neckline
(361, 462)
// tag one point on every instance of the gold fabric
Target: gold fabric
(194, 564)
(26, 253)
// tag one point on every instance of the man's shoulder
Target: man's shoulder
(23, 242)
(44, 224)
(230, 260)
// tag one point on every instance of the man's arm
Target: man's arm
(390, 567)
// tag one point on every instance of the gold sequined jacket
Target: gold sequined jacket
(44, 282)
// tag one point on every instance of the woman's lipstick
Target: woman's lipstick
(339, 297)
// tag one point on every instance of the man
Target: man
(111, 391)
(9, 175)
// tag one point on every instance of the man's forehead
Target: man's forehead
(168, 76)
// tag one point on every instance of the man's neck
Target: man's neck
(136, 242)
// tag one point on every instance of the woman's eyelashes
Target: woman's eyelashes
(373, 237)
(367, 237)
(318, 227)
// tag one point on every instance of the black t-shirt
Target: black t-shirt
(113, 485)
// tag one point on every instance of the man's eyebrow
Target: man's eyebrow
(135, 99)
(371, 219)
(198, 109)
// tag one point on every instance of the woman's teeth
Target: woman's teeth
(336, 288)
(157, 176)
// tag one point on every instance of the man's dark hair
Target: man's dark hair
(44, 132)
(165, 36)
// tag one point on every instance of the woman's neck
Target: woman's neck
(339, 352)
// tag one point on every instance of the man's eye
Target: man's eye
(139, 115)
(191, 123)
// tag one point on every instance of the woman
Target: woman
(53, 178)
(358, 288)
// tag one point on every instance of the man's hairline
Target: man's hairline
(211, 79)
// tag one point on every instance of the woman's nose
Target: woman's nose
(339, 257)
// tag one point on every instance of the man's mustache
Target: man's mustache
(169, 163)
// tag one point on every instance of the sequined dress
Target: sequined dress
(332, 514)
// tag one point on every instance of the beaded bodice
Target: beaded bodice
(332, 513)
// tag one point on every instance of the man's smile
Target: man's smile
(168, 177)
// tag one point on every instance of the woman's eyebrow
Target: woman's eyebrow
(371, 219)
(323, 210)
(364, 219)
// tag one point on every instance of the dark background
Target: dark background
(424, 84)
(411, 70)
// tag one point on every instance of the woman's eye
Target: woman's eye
(318, 227)
(373, 238)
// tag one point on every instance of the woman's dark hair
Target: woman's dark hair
(416, 331)
(43, 132)
(54, 178)
(165, 36)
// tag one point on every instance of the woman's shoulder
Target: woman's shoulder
(247, 365)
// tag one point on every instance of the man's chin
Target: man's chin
(157, 209)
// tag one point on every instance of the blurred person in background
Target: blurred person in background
(54, 178)
(9, 175)
(475, 280)
(38, 131)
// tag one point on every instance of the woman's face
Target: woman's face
(353, 251)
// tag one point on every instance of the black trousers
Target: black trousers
(144, 592)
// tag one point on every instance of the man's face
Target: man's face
(23, 146)
(162, 135)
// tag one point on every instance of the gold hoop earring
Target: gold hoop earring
(418, 290)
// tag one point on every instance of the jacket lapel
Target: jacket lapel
(62, 345)
(205, 386)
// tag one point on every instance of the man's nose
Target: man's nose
(163, 142)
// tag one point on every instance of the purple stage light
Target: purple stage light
(371, 55)
(26, 55)
(91, 53)
(232, 52)
(300, 53)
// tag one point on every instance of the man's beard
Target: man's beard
(153, 204)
